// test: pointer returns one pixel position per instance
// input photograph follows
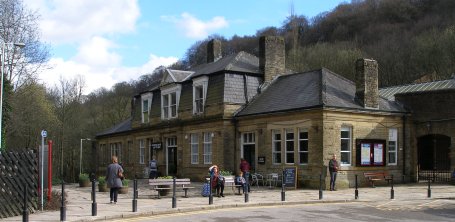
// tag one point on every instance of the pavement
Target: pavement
(79, 206)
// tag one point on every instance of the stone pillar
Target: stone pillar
(366, 81)
(272, 57)
(213, 50)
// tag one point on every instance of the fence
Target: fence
(435, 175)
(18, 170)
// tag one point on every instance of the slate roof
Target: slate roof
(237, 62)
(121, 127)
(318, 88)
(390, 92)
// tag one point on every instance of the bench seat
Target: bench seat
(377, 176)
(181, 184)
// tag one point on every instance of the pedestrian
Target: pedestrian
(333, 169)
(113, 174)
(240, 180)
(153, 168)
(245, 169)
(217, 180)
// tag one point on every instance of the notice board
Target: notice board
(290, 177)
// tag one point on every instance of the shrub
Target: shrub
(166, 177)
(102, 180)
(125, 182)
(83, 177)
(55, 202)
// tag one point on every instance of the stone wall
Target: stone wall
(366, 79)
(272, 57)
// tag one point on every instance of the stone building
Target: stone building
(241, 106)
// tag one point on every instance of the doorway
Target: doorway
(433, 157)
(249, 149)
(171, 153)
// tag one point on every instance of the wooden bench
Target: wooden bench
(376, 176)
(183, 184)
(229, 181)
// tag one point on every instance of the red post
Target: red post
(49, 170)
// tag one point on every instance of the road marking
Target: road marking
(421, 205)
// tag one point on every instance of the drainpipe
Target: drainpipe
(404, 147)
(235, 143)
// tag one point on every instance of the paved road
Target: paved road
(424, 210)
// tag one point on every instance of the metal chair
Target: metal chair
(256, 178)
(272, 178)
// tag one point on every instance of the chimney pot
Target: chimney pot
(272, 57)
(213, 50)
(366, 80)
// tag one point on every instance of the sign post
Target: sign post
(43, 135)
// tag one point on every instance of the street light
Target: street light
(80, 161)
(20, 45)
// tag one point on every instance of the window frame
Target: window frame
(349, 151)
(194, 148)
(145, 111)
(170, 97)
(286, 148)
(393, 137)
(199, 103)
(300, 150)
(277, 147)
(141, 151)
(208, 149)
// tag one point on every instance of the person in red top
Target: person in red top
(245, 168)
(217, 180)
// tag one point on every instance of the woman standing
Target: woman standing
(113, 173)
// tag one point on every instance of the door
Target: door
(434, 158)
(249, 149)
(171, 153)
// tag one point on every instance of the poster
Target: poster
(365, 154)
(378, 151)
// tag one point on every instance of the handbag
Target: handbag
(120, 175)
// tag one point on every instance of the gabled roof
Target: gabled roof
(390, 92)
(121, 127)
(175, 76)
(238, 62)
(318, 88)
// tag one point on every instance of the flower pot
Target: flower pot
(123, 190)
(102, 188)
(84, 183)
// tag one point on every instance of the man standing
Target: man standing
(333, 169)
(153, 169)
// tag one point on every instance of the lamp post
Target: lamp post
(20, 45)
(80, 161)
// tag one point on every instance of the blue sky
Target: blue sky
(110, 41)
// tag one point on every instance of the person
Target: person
(217, 180)
(240, 180)
(153, 169)
(245, 169)
(333, 169)
(113, 173)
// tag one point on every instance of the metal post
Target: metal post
(320, 186)
(94, 206)
(210, 188)
(42, 170)
(24, 210)
(429, 189)
(356, 193)
(245, 187)
(174, 199)
(135, 195)
(392, 192)
(283, 194)
(63, 207)
(1, 96)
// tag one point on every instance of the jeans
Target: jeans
(246, 175)
(333, 178)
(114, 193)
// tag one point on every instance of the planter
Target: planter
(84, 183)
(102, 188)
(123, 190)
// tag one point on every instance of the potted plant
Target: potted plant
(124, 189)
(84, 180)
(102, 185)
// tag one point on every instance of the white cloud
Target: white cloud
(96, 52)
(195, 28)
(74, 21)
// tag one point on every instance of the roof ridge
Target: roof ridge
(415, 84)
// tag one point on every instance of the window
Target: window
(116, 150)
(199, 94)
(169, 102)
(141, 151)
(303, 146)
(146, 103)
(289, 146)
(345, 146)
(393, 137)
(207, 148)
(276, 147)
(194, 144)
(248, 138)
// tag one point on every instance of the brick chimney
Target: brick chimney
(366, 83)
(272, 57)
(213, 50)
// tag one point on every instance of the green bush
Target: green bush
(83, 177)
(225, 173)
(102, 180)
(166, 177)
(125, 182)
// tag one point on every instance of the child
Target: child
(240, 180)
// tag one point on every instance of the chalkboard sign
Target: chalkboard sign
(156, 145)
(290, 177)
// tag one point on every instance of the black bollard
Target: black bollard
(356, 193)
(320, 186)
(174, 199)
(94, 207)
(210, 194)
(24, 210)
(429, 189)
(135, 195)
(283, 194)
(392, 192)
(63, 207)
(246, 186)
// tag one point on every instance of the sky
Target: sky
(112, 41)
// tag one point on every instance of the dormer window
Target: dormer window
(199, 94)
(169, 101)
(146, 103)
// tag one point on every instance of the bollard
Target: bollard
(135, 195)
(174, 199)
(245, 187)
(283, 194)
(210, 188)
(24, 210)
(356, 193)
(94, 207)
(320, 186)
(392, 192)
(63, 208)
(429, 189)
